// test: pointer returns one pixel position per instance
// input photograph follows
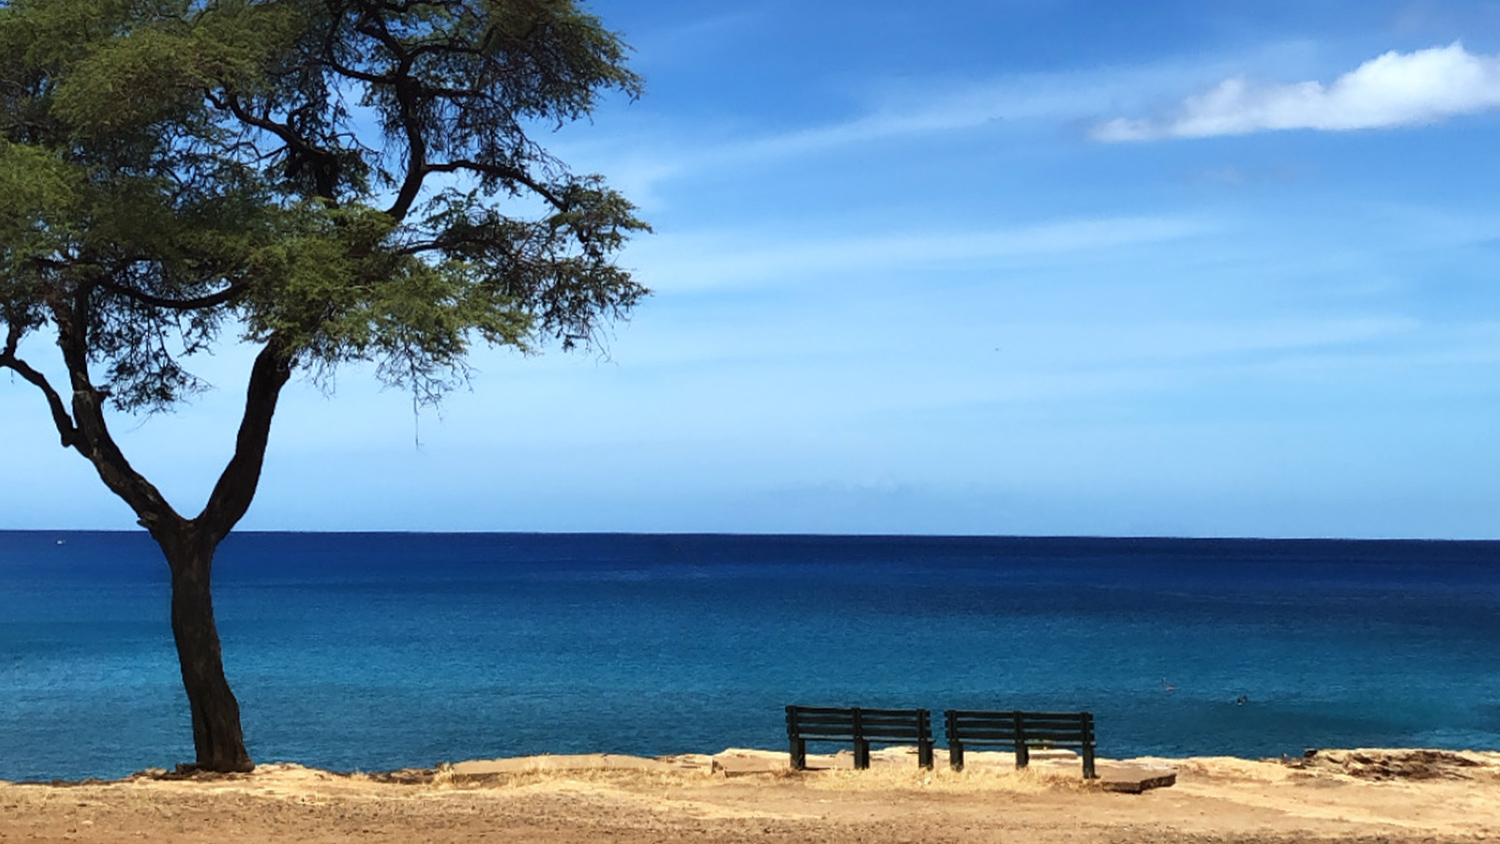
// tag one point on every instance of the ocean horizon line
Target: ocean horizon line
(1043, 537)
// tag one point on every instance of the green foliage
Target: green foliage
(327, 175)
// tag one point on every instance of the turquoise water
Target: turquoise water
(378, 651)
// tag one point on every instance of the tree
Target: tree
(330, 180)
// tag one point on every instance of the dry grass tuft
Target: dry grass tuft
(442, 776)
(547, 779)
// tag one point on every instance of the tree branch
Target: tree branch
(232, 495)
(93, 439)
(503, 172)
(409, 92)
(372, 23)
(282, 131)
(325, 162)
(8, 360)
(359, 75)
(416, 152)
(209, 301)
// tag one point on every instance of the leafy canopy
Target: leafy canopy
(339, 179)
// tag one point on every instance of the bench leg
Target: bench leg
(956, 755)
(1023, 754)
(1088, 763)
(861, 754)
(799, 754)
(924, 755)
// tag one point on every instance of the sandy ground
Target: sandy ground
(1363, 796)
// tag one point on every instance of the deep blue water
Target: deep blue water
(378, 651)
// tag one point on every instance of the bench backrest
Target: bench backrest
(1012, 726)
(812, 723)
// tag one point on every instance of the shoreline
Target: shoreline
(1396, 796)
(1376, 764)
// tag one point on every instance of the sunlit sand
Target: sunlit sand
(1374, 795)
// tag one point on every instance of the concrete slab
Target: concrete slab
(1133, 779)
(739, 762)
(1113, 774)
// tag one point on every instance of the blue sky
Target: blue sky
(1005, 267)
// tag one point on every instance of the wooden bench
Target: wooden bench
(860, 726)
(1021, 731)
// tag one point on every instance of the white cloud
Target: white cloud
(1395, 89)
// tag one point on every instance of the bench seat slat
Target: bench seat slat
(868, 735)
(884, 741)
(865, 727)
(866, 732)
(1032, 736)
(1027, 725)
(1011, 713)
(864, 713)
(1031, 741)
(1010, 722)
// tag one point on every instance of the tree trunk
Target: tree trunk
(189, 545)
(217, 737)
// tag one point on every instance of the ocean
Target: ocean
(380, 651)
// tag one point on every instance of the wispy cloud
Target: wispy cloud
(644, 154)
(686, 262)
(1394, 89)
(653, 157)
